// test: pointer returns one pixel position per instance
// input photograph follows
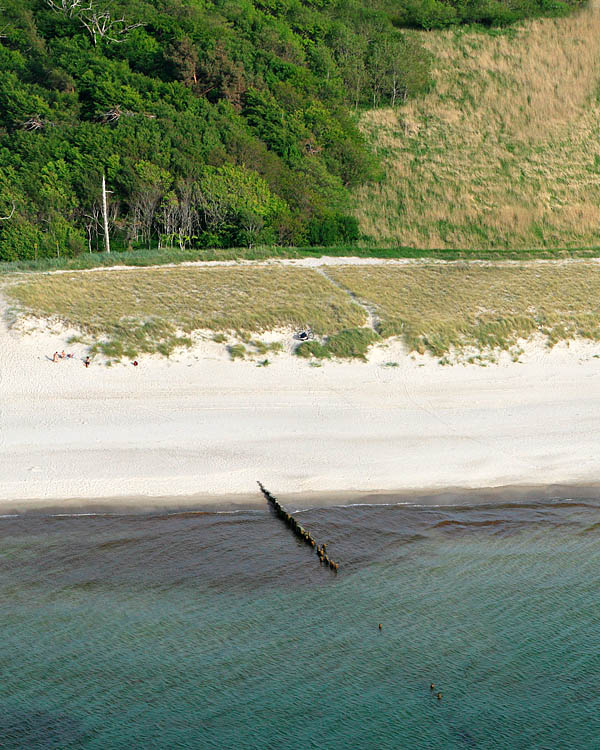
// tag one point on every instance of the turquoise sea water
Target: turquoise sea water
(219, 630)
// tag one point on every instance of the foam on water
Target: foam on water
(220, 630)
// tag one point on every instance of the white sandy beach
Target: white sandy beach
(201, 427)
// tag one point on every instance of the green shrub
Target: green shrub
(262, 347)
(237, 351)
(309, 349)
(333, 229)
(352, 343)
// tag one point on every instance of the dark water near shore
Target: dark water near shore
(219, 630)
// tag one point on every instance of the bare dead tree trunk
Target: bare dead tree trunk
(96, 18)
(10, 215)
(105, 215)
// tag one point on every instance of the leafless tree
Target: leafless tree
(96, 18)
(142, 220)
(93, 221)
(36, 123)
(168, 218)
(69, 7)
(93, 224)
(3, 29)
(188, 215)
(10, 215)
(114, 114)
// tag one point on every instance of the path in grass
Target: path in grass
(440, 307)
(370, 309)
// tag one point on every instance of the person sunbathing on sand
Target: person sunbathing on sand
(55, 357)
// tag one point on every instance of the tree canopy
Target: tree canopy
(217, 123)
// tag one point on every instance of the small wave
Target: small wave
(360, 505)
(495, 522)
(85, 515)
(200, 512)
(59, 515)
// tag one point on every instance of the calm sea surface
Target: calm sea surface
(220, 630)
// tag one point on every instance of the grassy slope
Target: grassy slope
(504, 152)
(146, 310)
(439, 307)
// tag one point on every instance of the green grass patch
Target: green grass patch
(237, 351)
(263, 347)
(316, 349)
(352, 343)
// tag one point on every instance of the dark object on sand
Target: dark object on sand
(304, 334)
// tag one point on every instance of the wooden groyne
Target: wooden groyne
(297, 529)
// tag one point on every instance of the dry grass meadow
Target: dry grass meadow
(441, 308)
(505, 151)
(155, 309)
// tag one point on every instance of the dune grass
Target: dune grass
(504, 152)
(154, 310)
(351, 343)
(433, 306)
(440, 307)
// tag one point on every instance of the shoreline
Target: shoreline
(455, 497)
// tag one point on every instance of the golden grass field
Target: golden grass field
(504, 152)
(147, 310)
(443, 307)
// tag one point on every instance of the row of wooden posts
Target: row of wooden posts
(297, 529)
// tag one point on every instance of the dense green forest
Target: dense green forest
(215, 124)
